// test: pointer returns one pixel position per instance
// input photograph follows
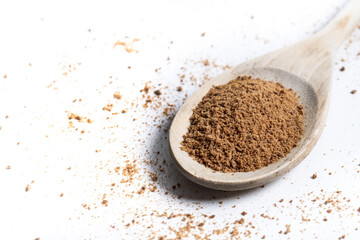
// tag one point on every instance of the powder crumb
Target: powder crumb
(244, 125)
(128, 172)
(157, 92)
(287, 228)
(206, 62)
(145, 89)
(153, 177)
(8, 167)
(211, 217)
(179, 89)
(234, 232)
(342, 237)
(358, 210)
(241, 221)
(105, 202)
(61, 194)
(142, 190)
(203, 34)
(37, 238)
(5, 76)
(108, 107)
(28, 187)
(244, 213)
(74, 116)
(342, 69)
(117, 95)
(128, 46)
(353, 91)
(314, 176)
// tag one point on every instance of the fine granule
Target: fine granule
(244, 125)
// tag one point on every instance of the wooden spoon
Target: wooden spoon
(304, 67)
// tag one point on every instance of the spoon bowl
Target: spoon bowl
(244, 180)
(304, 67)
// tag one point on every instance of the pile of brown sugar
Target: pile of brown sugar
(244, 125)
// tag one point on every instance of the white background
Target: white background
(38, 42)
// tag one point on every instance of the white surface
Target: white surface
(52, 35)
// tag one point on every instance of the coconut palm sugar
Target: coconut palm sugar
(244, 125)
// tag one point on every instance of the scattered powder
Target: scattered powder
(244, 125)
(241, 221)
(206, 62)
(72, 116)
(287, 229)
(117, 95)
(128, 172)
(157, 92)
(127, 45)
(353, 91)
(105, 202)
(108, 107)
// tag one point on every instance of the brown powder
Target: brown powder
(287, 229)
(127, 45)
(117, 95)
(157, 92)
(244, 125)
(206, 62)
(108, 107)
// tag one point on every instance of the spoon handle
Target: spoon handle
(340, 27)
(311, 58)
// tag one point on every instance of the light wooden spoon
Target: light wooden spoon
(304, 67)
